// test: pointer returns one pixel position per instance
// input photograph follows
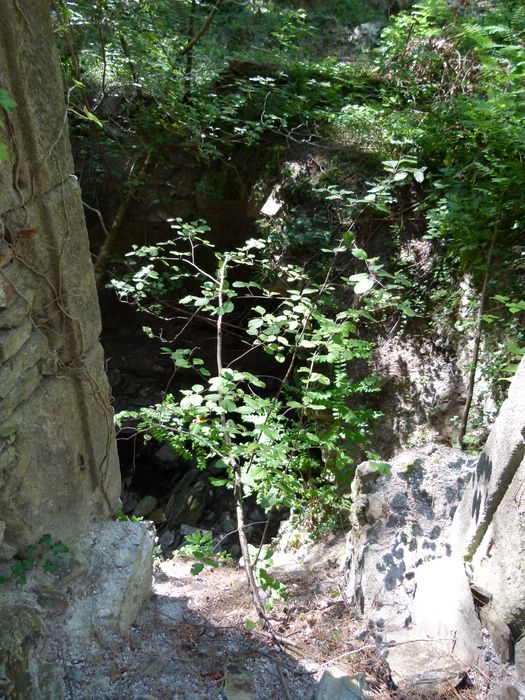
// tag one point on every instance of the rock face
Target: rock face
(400, 521)
(96, 589)
(58, 465)
(401, 571)
(489, 527)
(422, 390)
(59, 472)
(443, 530)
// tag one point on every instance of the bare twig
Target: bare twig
(284, 685)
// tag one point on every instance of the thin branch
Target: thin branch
(479, 324)
(206, 25)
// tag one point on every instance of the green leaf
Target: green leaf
(191, 401)
(59, 548)
(6, 101)
(364, 285)
(407, 309)
(49, 566)
(359, 253)
(215, 481)
(196, 568)
(255, 323)
(228, 405)
(91, 117)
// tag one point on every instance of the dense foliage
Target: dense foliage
(416, 137)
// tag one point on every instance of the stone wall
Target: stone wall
(58, 463)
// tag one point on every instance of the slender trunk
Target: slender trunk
(477, 332)
(109, 245)
(189, 55)
(234, 464)
(131, 63)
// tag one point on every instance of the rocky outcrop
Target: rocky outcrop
(437, 553)
(489, 528)
(401, 572)
(59, 474)
(400, 519)
(58, 464)
(422, 391)
(69, 601)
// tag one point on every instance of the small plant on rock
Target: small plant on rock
(44, 552)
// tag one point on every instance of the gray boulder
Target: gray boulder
(399, 524)
(336, 685)
(187, 505)
(419, 666)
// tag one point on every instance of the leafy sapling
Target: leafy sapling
(271, 442)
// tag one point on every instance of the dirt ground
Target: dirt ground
(191, 641)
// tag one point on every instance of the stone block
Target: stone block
(494, 471)
(500, 634)
(117, 583)
(443, 609)
(421, 667)
(97, 589)
(403, 525)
